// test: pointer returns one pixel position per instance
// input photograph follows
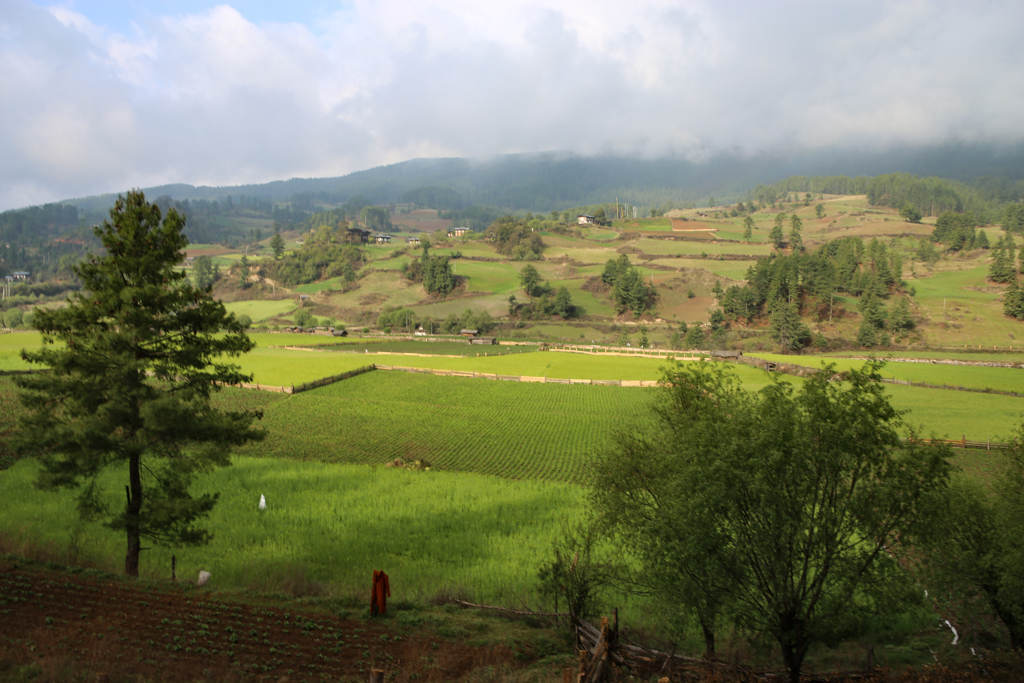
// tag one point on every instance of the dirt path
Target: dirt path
(128, 630)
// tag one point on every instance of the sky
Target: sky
(100, 96)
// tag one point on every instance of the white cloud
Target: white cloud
(212, 97)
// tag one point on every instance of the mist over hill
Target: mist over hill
(549, 181)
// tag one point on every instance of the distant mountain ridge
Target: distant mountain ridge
(550, 181)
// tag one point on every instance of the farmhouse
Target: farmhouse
(412, 240)
(357, 235)
(584, 219)
(382, 239)
(469, 333)
(457, 232)
(20, 275)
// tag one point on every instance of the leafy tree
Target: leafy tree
(819, 211)
(202, 272)
(910, 214)
(778, 518)
(974, 551)
(277, 245)
(787, 328)
(13, 317)
(513, 306)
(529, 279)
(244, 321)
(303, 318)
(515, 237)
(376, 218)
(130, 383)
(748, 228)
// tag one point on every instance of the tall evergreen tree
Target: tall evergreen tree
(130, 380)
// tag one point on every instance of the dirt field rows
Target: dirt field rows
(118, 630)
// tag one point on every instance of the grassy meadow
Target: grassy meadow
(327, 524)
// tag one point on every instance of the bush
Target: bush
(13, 317)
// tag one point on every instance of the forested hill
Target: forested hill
(545, 182)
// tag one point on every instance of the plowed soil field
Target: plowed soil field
(121, 630)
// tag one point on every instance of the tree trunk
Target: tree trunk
(793, 658)
(709, 641)
(134, 491)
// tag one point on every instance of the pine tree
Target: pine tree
(796, 241)
(132, 369)
(748, 228)
(277, 245)
(1001, 269)
(899, 317)
(787, 328)
(1013, 301)
(867, 337)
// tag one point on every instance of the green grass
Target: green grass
(431, 531)
(669, 247)
(10, 349)
(261, 310)
(1000, 379)
(734, 270)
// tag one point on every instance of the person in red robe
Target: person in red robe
(380, 593)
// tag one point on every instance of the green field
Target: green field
(511, 429)
(332, 524)
(261, 310)
(999, 379)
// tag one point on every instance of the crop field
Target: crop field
(509, 429)
(452, 348)
(329, 523)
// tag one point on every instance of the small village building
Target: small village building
(382, 239)
(20, 274)
(339, 333)
(457, 232)
(412, 240)
(469, 333)
(488, 341)
(357, 235)
(584, 219)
